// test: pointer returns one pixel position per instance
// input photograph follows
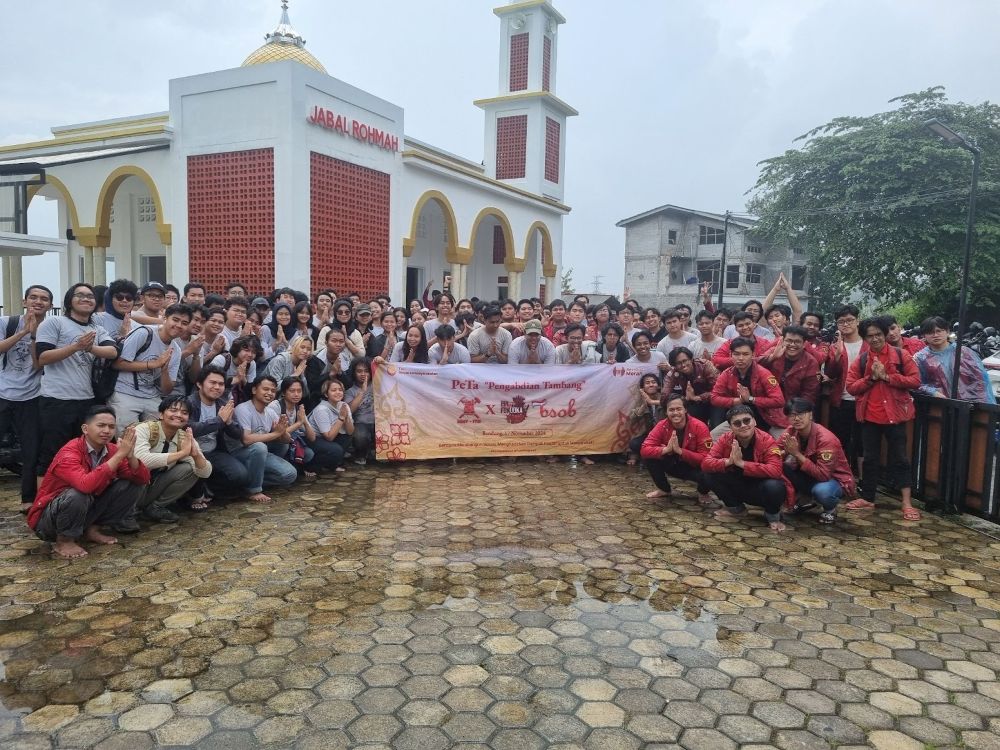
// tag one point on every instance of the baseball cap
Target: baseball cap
(153, 286)
(363, 308)
(533, 326)
(260, 302)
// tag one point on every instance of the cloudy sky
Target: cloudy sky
(678, 99)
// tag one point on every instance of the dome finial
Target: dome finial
(284, 43)
(284, 31)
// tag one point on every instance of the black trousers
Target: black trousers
(845, 425)
(897, 463)
(71, 512)
(672, 465)
(61, 420)
(24, 416)
(736, 491)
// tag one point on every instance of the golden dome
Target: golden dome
(274, 51)
(284, 43)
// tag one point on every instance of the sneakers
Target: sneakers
(127, 526)
(361, 461)
(802, 507)
(160, 515)
(828, 517)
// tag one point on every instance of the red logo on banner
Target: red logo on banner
(468, 414)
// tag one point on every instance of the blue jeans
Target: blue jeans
(330, 453)
(281, 451)
(262, 468)
(828, 494)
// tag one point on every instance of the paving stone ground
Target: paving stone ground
(501, 604)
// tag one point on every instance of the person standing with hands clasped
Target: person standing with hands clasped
(169, 449)
(881, 379)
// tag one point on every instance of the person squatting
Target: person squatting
(134, 403)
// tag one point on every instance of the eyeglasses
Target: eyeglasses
(343, 311)
(847, 321)
(84, 295)
(122, 297)
(742, 422)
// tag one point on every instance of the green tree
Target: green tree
(566, 281)
(881, 204)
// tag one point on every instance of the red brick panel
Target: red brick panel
(512, 144)
(519, 62)
(231, 219)
(499, 246)
(552, 132)
(546, 63)
(349, 227)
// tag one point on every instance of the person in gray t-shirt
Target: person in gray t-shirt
(66, 346)
(21, 381)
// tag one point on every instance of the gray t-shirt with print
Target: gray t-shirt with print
(69, 378)
(146, 383)
(20, 380)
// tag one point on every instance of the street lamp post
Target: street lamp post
(957, 139)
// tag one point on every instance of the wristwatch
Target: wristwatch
(752, 399)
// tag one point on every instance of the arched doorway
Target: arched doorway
(131, 227)
(539, 268)
(493, 259)
(54, 214)
(432, 246)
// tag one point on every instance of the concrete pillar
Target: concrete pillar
(100, 265)
(8, 300)
(514, 285)
(551, 292)
(88, 264)
(456, 281)
(16, 285)
(465, 280)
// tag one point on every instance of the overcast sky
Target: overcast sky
(678, 99)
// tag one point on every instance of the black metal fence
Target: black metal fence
(954, 453)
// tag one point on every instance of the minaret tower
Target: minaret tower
(526, 123)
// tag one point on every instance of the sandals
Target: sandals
(859, 504)
(911, 514)
(200, 504)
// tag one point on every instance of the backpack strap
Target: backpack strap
(12, 323)
(140, 351)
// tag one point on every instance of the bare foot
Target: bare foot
(259, 497)
(25, 507)
(706, 500)
(587, 461)
(94, 535)
(726, 515)
(657, 493)
(68, 550)
(777, 526)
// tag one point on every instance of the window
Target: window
(501, 287)
(755, 249)
(798, 251)
(798, 277)
(671, 236)
(154, 268)
(754, 272)
(708, 270)
(710, 235)
(733, 277)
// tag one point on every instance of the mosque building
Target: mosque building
(275, 173)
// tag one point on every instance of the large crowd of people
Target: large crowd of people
(134, 403)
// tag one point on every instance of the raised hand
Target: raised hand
(743, 393)
(126, 443)
(878, 371)
(673, 446)
(219, 344)
(226, 412)
(300, 413)
(736, 455)
(164, 359)
(689, 393)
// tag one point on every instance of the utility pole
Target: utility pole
(722, 263)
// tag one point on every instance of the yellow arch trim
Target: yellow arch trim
(453, 253)
(511, 262)
(111, 184)
(548, 262)
(60, 186)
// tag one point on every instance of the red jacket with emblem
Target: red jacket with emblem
(768, 398)
(723, 359)
(767, 461)
(696, 445)
(823, 457)
(903, 375)
(71, 469)
(801, 380)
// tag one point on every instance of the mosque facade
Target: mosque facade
(275, 173)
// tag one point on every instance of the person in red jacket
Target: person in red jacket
(795, 368)
(676, 446)
(745, 326)
(815, 463)
(744, 466)
(912, 344)
(881, 380)
(746, 382)
(90, 483)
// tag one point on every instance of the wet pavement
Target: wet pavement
(502, 605)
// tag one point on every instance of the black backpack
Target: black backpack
(104, 377)
(12, 323)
